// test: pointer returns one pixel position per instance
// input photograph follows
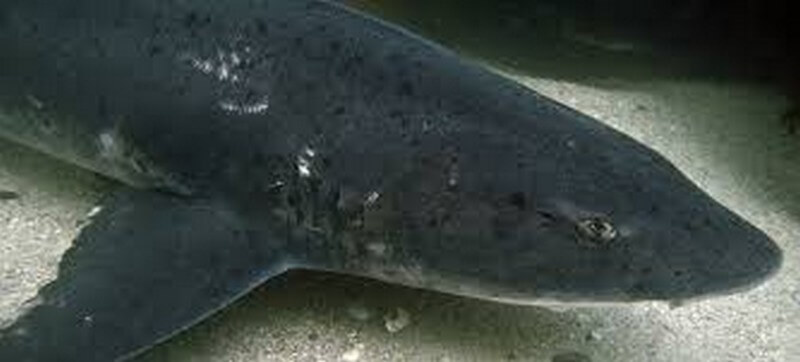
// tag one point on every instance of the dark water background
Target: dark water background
(623, 39)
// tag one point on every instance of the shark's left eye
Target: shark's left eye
(596, 230)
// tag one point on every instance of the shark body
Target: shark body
(258, 136)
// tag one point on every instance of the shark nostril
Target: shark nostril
(597, 231)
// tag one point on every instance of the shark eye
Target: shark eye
(596, 230)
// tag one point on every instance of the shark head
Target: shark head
(520, 199)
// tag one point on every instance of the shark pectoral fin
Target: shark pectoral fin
(147, 267)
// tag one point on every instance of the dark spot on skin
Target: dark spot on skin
(313, 336)
(501, 229)
(596, 231)
(193, 21)
(190, 19)
(394, 57)
(406, 89)
(99, 49)
(251, 95)
(647, 270)
(340, 110)
(517, 199)
(433, 222)
(155, 50)
(690, 226)
(293, 200)
(677, 273)
(335, 46)
(638, 288)
(48, 125)
(547, 217)
(6, 195)
(33, 27)
(326, 161)
(571, 357)
(261, 27)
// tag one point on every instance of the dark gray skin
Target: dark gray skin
(269, 135)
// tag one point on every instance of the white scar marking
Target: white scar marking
(303, 168)
(371, 198)
(226, 68)
(222, 67)
(304, 161)
(35, 102)
(243, 108)
(378, 249)
(109, 147)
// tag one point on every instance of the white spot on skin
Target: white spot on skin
(226, 68)
(304, 161)
(303, 168)
(35, 102)
(221, 68)
(204, 66)
(89, 216)
(452, 179)
(372, 198)
(94, 211)
(378, 249)
(235, 60)
(571, 144)
(130, 165)
(224, 73)
(109, 147)
(426, 126)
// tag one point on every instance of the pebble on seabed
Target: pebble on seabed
(397, 320)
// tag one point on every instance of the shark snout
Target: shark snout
(741, 257)
(707, 253)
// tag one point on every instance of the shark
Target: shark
(254, 137)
